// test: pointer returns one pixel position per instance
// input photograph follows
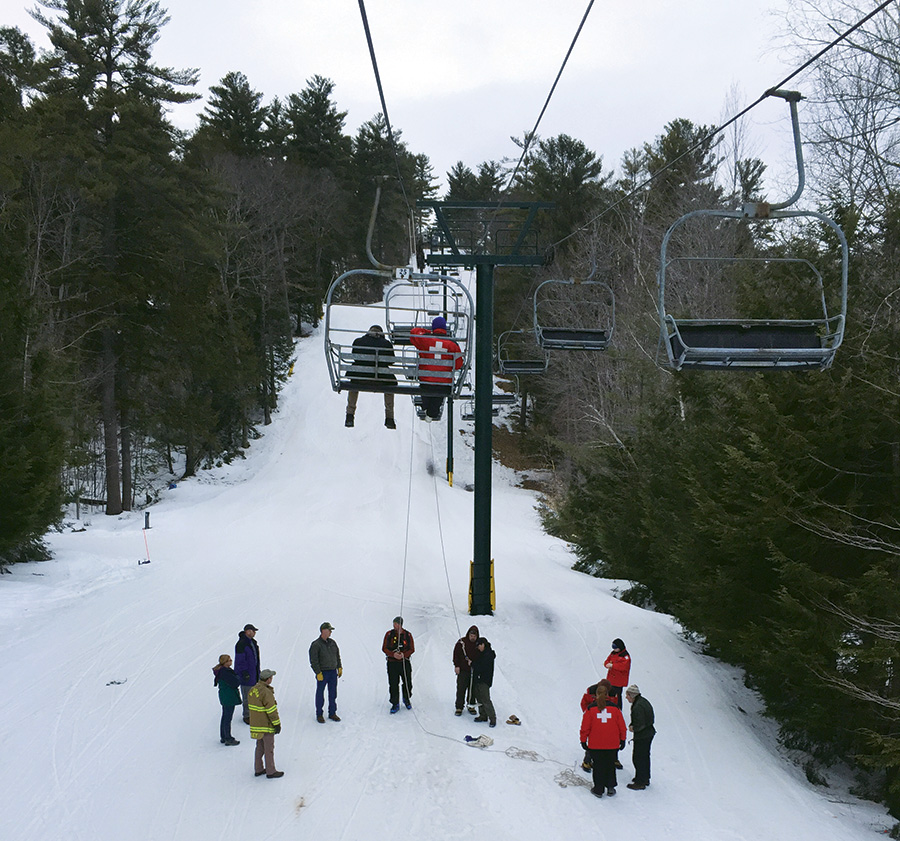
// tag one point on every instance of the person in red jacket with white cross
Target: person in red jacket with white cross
(603, 734)
(439, 358)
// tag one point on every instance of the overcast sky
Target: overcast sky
(461, 77)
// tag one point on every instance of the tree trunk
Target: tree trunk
(125, 435)
(110, 425)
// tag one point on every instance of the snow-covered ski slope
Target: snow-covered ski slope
(109, 731)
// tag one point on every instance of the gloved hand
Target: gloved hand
(320, 676)
(277, 728)
(622, 745)
(584, 745)
(340, 671)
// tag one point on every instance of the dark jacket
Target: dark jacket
(464, 652)
(642, 718)
(246, 660)
(324, 655)
(373, 355)
(404, 644)
(228, 683)
(483, 666)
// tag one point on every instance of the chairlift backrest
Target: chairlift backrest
(574, 315)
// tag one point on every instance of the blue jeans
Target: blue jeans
(225, 725)
(329, 679)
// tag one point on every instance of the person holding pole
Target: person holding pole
(398, 647)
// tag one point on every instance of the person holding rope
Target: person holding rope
(464, 652)
(398, 647)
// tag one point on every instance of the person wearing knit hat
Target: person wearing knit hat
(618, 665)
(439, 358)
(398, 647)
(643, 730)
(229, 696)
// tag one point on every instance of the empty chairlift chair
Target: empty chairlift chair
(720, 309)
(574, 315)
(518, 352)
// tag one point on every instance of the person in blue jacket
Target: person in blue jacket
(246, 664)
(229, 696)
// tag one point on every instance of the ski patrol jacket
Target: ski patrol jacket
(642, 718)
(263, 711)
(324, 655)
(228, 683)
(246, 660)
(483, 666)
(619, 665)
(590, 694)
(603, 728)
(404, 644)
(464, 652)
(439, 355)
(373, 355)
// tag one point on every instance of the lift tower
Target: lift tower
(484, 235)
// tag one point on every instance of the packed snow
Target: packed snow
(111, 725)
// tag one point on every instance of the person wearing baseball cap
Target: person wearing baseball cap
(325, 661)
(246, 664)
(265, 723)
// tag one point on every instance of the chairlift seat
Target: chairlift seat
(561, 338)
(750, 344)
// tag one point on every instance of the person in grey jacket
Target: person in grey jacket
(642, 728)
(325, 661)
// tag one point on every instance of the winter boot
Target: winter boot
(481, 718)
(389, 423)
(348, 421)
(597, 792)
(611, 792)
(334, 717)
(407, 704)
(636, 786)
(458, 712)
(492, 722)
(395, 708)
(275, 776)
(231, 742)
(320, 719)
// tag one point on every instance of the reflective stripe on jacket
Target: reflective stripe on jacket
(263, 711)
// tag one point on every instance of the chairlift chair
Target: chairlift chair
(518, 352)
(808, 339)
(574, 315)
(349, 313)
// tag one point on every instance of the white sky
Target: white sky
(461, 77)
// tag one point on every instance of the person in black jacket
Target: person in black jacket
(644, 731)
(373, 355)
(482, 678)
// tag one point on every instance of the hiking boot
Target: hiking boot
(618, 765)
(334, 717)
(458, 712)
(389, 423)
(348, 421)
(481, 718)
(320, 719)
(395, 708)
(597, 792)
(473, 710)
(231, 742)
(611, 792)
(407, 704)
(492, 722)
(259, 773)
(636, 786)
(275, 776)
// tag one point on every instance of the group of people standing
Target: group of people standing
(603, 734)
(603, 731)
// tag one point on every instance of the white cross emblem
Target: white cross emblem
(605, 716)
(436, 348)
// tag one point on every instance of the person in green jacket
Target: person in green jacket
(642, 728)
(229, 696)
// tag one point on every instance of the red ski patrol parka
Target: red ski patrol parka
(603, 728)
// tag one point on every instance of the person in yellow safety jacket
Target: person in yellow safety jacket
(264, 724)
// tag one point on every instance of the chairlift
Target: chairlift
(574, 315)
(357, 299)
(806, 339)
(518, 352)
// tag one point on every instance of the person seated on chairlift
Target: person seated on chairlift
(439, 357)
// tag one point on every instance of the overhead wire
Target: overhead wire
(384, 110)
(719, 129)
